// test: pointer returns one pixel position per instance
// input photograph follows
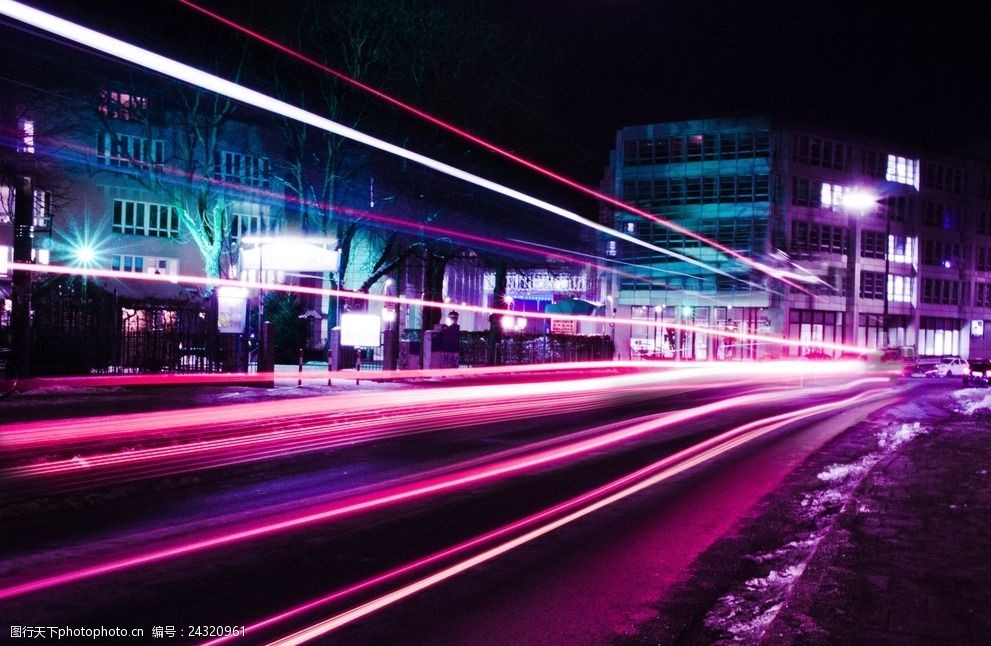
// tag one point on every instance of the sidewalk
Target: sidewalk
(884, 537)
(909, 559)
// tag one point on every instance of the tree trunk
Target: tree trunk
(495, 320)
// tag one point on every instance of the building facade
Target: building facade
(862, 242)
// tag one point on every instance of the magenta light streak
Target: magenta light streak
(198, 78)
(575, 508)
(380, 298)
(498, 150)
(514, 245)
(404, 493)
(33, 435)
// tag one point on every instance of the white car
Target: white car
(952, 367)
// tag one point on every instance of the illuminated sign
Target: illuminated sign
(977, 328)
(231, 307)
(290, 256)
(360, 330)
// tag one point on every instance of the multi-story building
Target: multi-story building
(908, 267)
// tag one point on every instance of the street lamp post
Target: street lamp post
(858, 202)
(657, 309)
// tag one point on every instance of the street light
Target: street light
(860, 201)
(657, 310)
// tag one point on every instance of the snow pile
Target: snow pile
(744, 614)
(971, 400)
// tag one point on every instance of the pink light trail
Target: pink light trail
(574, 509)
(446, 482)
(218, 282)
(774, 273)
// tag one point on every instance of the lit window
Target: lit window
(901, 289)
(25, 136)
(631, 227)
(6, 204)
(903, 249)
(611, 248)
(123, 105)
(903, 171)
(831, 196)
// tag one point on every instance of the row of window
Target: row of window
(812, 237)
(817, 151)
(125, 151)
(144, 264)
(145, 219)
(675, 191)
(900, 289)
(694, 148)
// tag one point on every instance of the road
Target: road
(541, 509)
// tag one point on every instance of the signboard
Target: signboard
(290, 256)
(977, 328)
(232, 304)
(564, 326)
(361, 330)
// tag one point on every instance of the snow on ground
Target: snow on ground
(744, 614)
(970, 400)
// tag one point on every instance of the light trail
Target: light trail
(575, 508)
(24, 436)
(381, 298)
(448, 482)
(67, 149)
(783, 276)
(198, 78)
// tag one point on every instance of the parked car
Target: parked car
(816, 355)
(949, 367)
(979, 374)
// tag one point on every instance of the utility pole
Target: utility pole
(23, 242)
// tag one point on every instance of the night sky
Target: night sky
(883, 69)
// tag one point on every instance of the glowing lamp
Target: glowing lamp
(84, 254)
(859, 200)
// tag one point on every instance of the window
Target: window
(872, 244)
(943, 178)
(817, 151)
(903, 171)
(902, 249)
(872, 285)
(805, 191)
(940, 292)
(244, 169)
(25, 136)
(144, 264)
(124, 106)
(812, 237)
(940, 253)
(875, 163)
(42, 210)
(901, 289)
(145, 219)
(126, 150)
(831, 196)
(611, 248)
(982, 295)
(939, 215)
(982, 259)
(984, 222)
(896, 208)
(42, 216)
(6, 204)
